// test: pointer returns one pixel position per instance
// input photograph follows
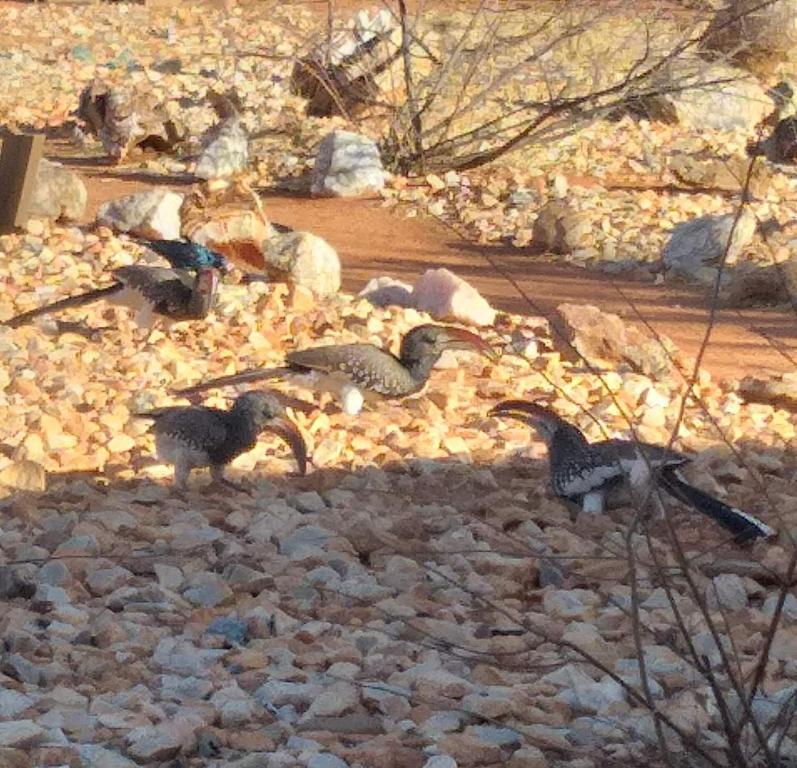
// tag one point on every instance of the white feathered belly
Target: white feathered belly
(172, 451)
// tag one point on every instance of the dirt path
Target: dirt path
(373, 241)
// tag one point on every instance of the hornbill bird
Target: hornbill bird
(171, 294)
(197, 436)
(584, 472)
(358, 373)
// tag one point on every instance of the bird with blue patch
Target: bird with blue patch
(184, 291)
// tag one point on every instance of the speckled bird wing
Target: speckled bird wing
(167, 290)
(608, 451)
(605, 463)
(199, 428)
(366, 366)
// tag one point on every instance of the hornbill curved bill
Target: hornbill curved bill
(584, 472)
(170, 294)
(356, 373)
(197, 436)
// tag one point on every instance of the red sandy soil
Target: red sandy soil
(373, 241)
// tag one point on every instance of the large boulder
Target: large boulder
(559, 228)
(225, 146)
(695, 248)
(153, 214)
(703, 95)
(303, 258)
(606, 339)
(441, 293)
(707, 171)
(446, 296)
(347, 165)
(59, 193)
(758, 36)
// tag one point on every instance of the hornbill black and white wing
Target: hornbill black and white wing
(584, 472)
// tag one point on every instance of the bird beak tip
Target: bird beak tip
(287, 430)
(460, 337)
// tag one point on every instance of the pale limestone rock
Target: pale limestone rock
(446, 296)
(152, 214)
(304, 259)
(225, 152)
(59, 193)
(695, 248)
(347, 165)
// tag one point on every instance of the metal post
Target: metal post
(19, 163)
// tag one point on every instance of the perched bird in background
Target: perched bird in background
(184, 254)
(191, 437)
(585, 473)
(358, 373)
(151, 292)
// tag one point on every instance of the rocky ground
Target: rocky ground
(419, 598)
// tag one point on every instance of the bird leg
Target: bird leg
(181, 471)
(217, 473)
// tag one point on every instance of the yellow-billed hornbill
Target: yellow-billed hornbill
(358, 373)
(172, 295)
(197, 436)
(585, 472)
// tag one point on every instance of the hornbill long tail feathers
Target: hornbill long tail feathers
(742, 525)
(68, 303)
(171, 293)
(583, 472)
(244, 377)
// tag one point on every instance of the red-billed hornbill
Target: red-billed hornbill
(358, 373)
(197, 436)
(172, 295)
(585, 472)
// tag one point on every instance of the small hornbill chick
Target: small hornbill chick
(197, 436)
(584, 472)
(358, 373)
(171, 294)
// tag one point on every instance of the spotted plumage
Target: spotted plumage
(197, 436)
(357, 373)
(584, 472)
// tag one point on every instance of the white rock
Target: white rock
(446, 296)
(151, 214)
(440, 761)
(226, 150)
(695, 247)
(95, 756)
(334, 701)
(13, 702)
(347, 165)
(59, 192)
(386, 291)
(304, 259)
(20, 733)
(727, 591)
